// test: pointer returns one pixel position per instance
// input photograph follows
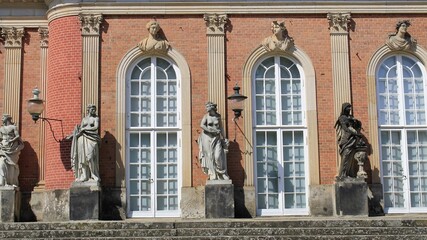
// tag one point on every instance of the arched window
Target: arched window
(153, 137)
(401, 91)
(280, 133)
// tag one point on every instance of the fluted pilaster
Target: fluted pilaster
(338, 25)
(216, 61)
(44, 41)
(90, 73)
(12, 79)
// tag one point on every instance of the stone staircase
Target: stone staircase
(258, 228)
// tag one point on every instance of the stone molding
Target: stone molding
(339, 22)
(44, 37)
(23, 23)
(12, 37)
(280, 41)
(303, 59)
(215, 23)
(90, 24)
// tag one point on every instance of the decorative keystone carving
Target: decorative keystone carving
(216, 23)
(44, 37)
(90, 23)
(338, 22)
(280, 39)
(12, 36)
(155, 41)
(401, 39)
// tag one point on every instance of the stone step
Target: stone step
(214, 232)
(203, 224)
(356, 237)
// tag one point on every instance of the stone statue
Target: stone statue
(85, 147)
(401, 40)
(213, 147)
(352, 147)
(154, 42)
(10, 148)
(280, 39)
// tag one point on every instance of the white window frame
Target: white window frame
(403, 128)
(153, 130)
(279, 129)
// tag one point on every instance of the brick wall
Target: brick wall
(187, 34)
(64, 97)
(28, 160)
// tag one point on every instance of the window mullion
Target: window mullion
(278, 90)
(401, 90)
(153, 93)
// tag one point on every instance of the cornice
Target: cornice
(238, 7)
(23, 22)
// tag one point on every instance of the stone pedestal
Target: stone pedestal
(84, 201)
(10, 199)
(351, 197)
(219, 199)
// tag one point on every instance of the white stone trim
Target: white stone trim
(131, 56)
(235, 7)
(24, 23)
(311, 111)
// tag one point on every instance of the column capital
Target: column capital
(215, 23)
(44, 37)
(90, 24)
(339, 22)
(12, 37)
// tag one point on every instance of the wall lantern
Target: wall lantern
(35, 107)
(236, 102)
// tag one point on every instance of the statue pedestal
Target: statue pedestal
(351, 197)
(219, 199)
(10, 199)
(85, 200)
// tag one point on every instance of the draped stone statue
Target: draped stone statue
(401, 39)
(280, 39)
(85, 147)
(213, 147)
(10, 148)
(154, 41)
(352, 147)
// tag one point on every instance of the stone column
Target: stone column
(90, 26)
(338, 26)
(12, 78)
(44, 34)
(215, 24)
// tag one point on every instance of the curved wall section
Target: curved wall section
(63, 98)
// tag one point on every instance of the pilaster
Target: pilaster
(12, 79)
(215, 26)
(338, 26)
(90, 27)
(44, 41)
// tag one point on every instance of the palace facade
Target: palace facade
(283, 155)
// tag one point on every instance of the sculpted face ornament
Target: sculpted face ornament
(154, 42)
(280, 39)
(401, 39)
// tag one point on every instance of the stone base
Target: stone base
(219, 199)
(10, 199)
(192, 202)
(84, 201)
(321, 200)
(351, 197)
